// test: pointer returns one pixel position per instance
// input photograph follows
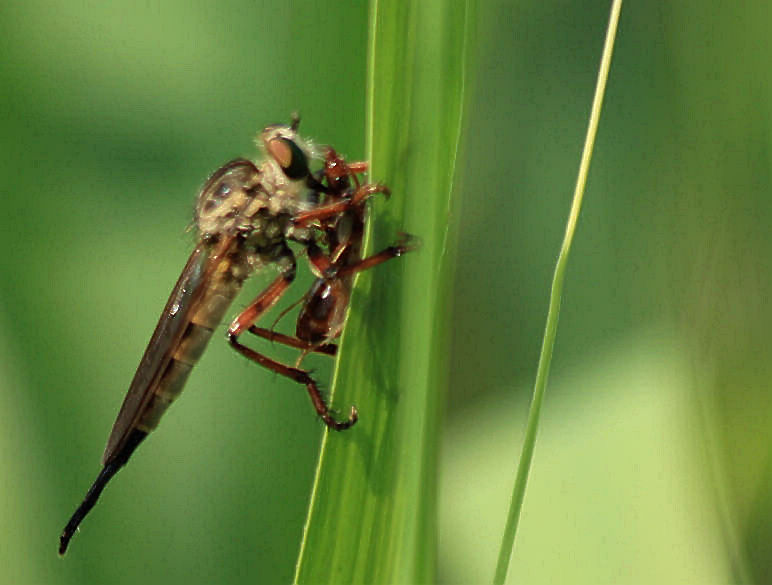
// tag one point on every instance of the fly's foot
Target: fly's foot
(368, 190)
(336, 425)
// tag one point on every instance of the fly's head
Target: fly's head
(285, 171)
(240, 194)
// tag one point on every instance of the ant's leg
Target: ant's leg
(252, 313)
(320, 263)
(284, 313)
(404, 246)
(269, 334)
(357, 168)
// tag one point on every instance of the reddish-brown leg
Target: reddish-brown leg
(284, 313)
(246, 320)
(320, 264)
(357, 168)
(326, 211)
(406, 245)
(271, 335)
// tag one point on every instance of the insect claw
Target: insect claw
(366, 191)
(343, 425)
(340, 425)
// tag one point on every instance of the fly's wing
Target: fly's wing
(166, 336)
(228, 189)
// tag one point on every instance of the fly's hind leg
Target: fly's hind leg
(246, 320)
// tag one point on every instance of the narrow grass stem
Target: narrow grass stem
(548, 343)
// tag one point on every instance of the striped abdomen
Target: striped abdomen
(203, 320)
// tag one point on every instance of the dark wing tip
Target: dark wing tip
(64, 541)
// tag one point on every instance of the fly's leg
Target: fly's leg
(333, 209)
(246, 320)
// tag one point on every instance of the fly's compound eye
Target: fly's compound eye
(290, 157)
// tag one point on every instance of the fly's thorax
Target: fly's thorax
(265, 231)
(239, 195)
(235, 197)
(223, 197)
(268, 245)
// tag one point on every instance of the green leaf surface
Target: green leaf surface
(373, 511)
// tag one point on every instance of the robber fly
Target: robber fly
(323, 311)
(245, 214)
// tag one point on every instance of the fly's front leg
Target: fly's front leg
(333, 209)
(246, 320)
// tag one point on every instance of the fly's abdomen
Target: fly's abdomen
(194, 340)
(175, 375)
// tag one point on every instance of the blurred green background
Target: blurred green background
(654, 462)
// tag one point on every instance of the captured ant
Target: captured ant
(323, 311)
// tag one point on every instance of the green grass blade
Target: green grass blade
(548, 343)
(372, 516)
